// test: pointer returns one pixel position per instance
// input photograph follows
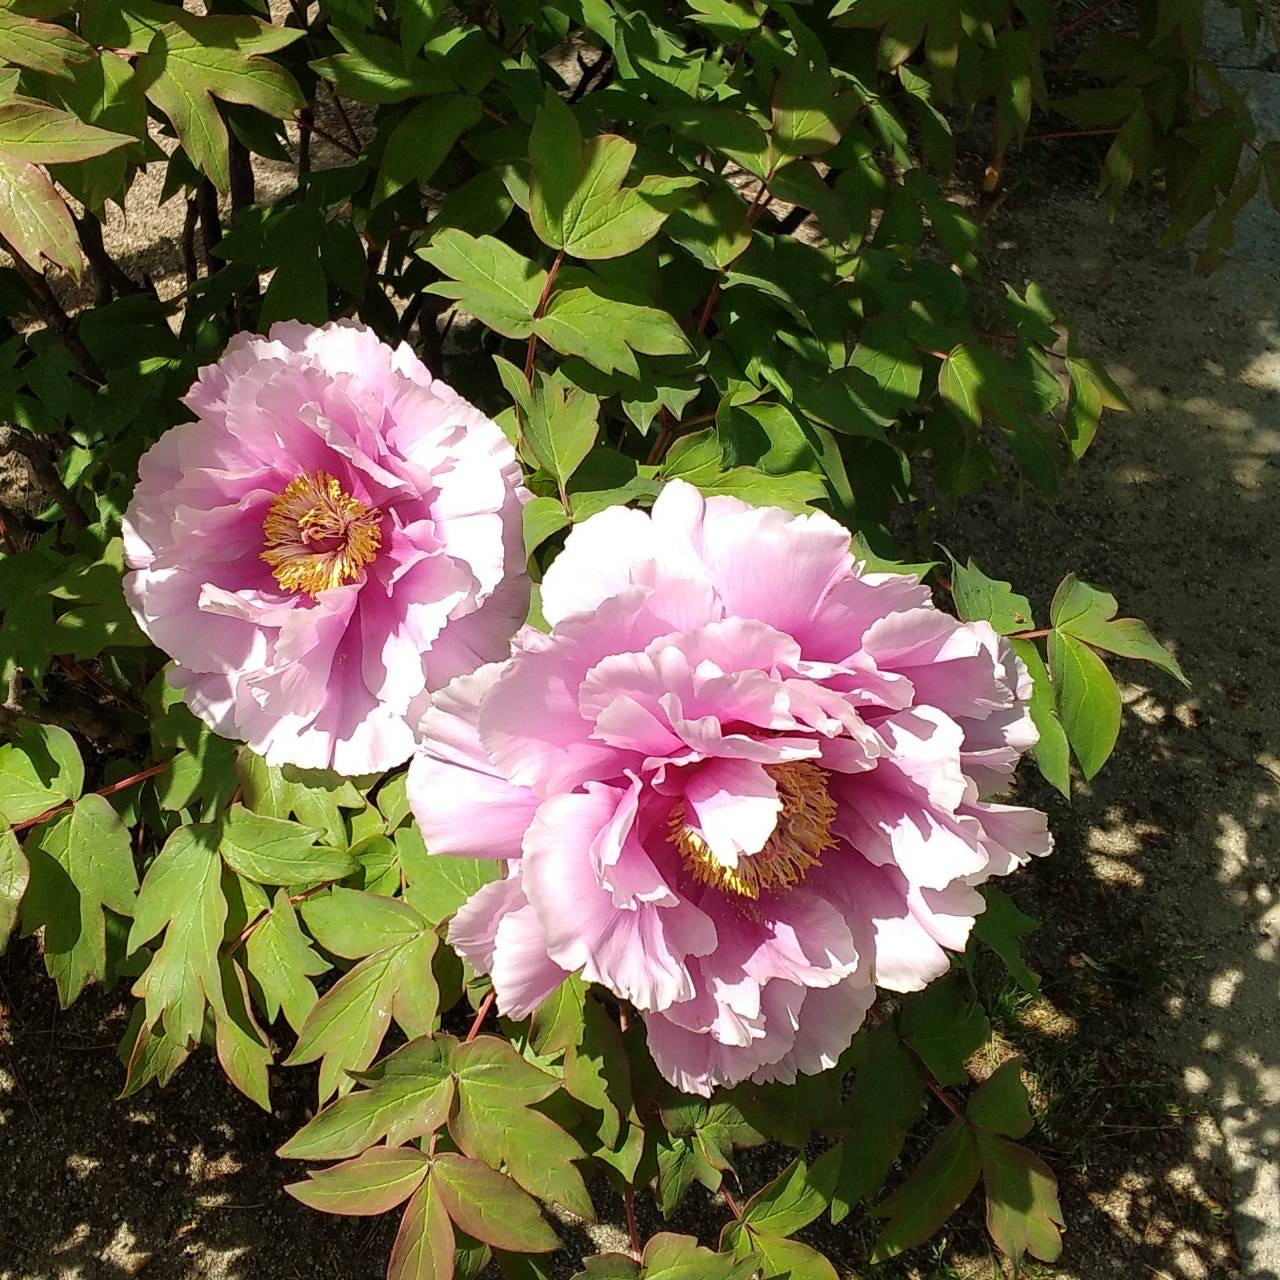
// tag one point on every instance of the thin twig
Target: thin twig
(190, 264)
(37, 452)
(52, 313)
(1087, 16)
(629, 1200)
(110, 790)
(481, 1013)
(330, 138)
(537, 315)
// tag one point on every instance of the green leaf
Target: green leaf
(277, 851)
(41, 46)
(409, 1094)
(577, 202)
(674, 1257)
(945, 1025)
(884, 1103)
(182, 895)
(424, 1246)
(560, 1020)
(354, 924)
(193, 60)
(494, 1122)
(543, 517)
(561, 425)
(36, 132)
(1051, 751)
(81, 864)
(281, 961)
(597, 1072)
(809, 113)
(490, 1206)
(1000, 927)
(487, 279)
(786, 1204)
(372, 1183)
(982, 599)
(1088, 700)
(373, 69)
(15, 874)
(794, 492)
(33, 218)
(348, 1024)
(1023, 1214)
(790, 1260)
(939, 1184)
(1088, 613)
(1001, 1105)
(959, 381)
(40, 769)
(418, 145)
(238, 1040)
(439, 886)
(582, 321)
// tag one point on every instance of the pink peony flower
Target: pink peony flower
(336, 534)
(739, 784)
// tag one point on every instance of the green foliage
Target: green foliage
(730, 246)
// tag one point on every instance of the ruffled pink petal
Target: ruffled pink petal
(464, 806)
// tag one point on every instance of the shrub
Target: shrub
(719, 241)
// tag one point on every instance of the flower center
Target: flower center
(802, 834)
(316, 536)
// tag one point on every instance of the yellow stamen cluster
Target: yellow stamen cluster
(317, 537)
(801, 836)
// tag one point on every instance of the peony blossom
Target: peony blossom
(335, 535)
(740, 783)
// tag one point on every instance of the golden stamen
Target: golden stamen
(801, 836)
(317, 537)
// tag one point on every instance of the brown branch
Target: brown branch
(306, 124)
(240, 169)
(37, 452)
(1069, 133)
(210, 223)
(190, 263)
(633, 1231)
(111, 279)
(330, 138)
(52, 313)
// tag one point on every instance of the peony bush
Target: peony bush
(471, 628)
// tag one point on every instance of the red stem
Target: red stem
(1087, 16)
(876, 1019)
(537, 315)
(1068, 133)
(481, 1013)
(629, 1199)
(731, 1202)
(102, 791)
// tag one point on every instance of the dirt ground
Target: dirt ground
(1155, 1053)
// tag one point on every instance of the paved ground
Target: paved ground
(1176, 512)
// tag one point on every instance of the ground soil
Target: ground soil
(1154, 1054)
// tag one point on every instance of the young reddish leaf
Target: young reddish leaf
(281, 960)
(493, 1123)
(375, 1181)
(936, 1188)
(489, 1206)
(346, 1027)
(410, 1093)
(1023, 1214)
(424, 1245)
(674, 1257)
